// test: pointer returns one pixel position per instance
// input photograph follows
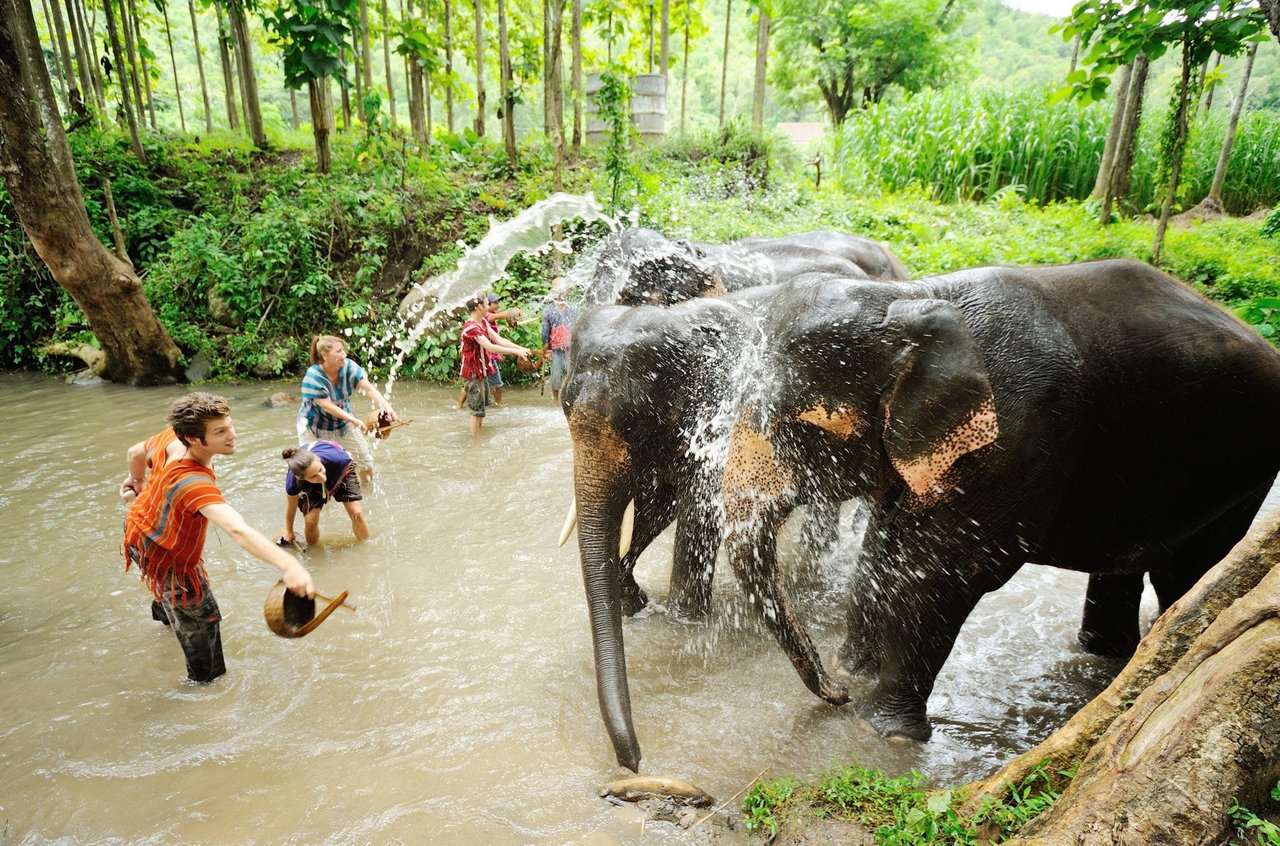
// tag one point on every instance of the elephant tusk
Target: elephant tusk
(628, 526)
(570, 520)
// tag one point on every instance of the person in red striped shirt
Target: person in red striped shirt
(165, 531)
(478, 341)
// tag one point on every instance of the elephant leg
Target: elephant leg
(693, 567)
(758, 572)
(1110, 624)
(655, 509)
(859, 655)
(1203, 550)
(924, 609)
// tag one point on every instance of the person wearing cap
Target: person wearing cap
(164, 533)
(557, 331)
(478, 342)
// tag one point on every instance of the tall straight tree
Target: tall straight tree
(762, 61)
(448, 63)
(204, 85)
(173, 63)
(122, 82)
(85, 67)
(386, 60)
(506, 92)
(478, 6)
(312, 35)
(144, 54)
(230, 88)
(1103, 181)
(1220, 173)
(131, 55)
(236, 12)
(64, 52)
(724, 62)
(575, 38)
(40, 177)
(553, 64)
(1127, 144)
(664, 40)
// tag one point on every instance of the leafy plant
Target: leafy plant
(613, 103)
(1252, 828)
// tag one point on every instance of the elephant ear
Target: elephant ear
(940, 406)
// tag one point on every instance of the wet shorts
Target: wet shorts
(348, 491)
(197, 626)
(477, 396)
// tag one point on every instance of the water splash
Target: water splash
(532, 231)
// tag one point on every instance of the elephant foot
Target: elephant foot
(907, 721)
(1097, 643)
(850, 663)
(690, 613)
(832, 691)
(634, 600)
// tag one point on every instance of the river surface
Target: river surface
(457, 705)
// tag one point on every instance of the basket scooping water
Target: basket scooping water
(290, 615)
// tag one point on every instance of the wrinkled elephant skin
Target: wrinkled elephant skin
(1099, 417)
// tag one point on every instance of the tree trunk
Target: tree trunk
(1208, 95)
(229, 89)
(40, 178)
(554, 73)
(762, 59)
(359, 60)
(131, 54)
(684, 71)
(1075, 53)
(173, 62)
(448, 63)
(1190, 724)
(575, 36)
(1179, 148)
(346, 97)
(505, 92)
(204, 85)
(478, 5)
(90, 24)
(650, 50)
(1271, 8)
(295, 120)
(84, 59)
(64, 52)
(321, 121)
(1220, 174)
(724, 64)
(366, 51)
(1126, 146)
(248, 79)
(386, 61)
(122, 82)
(143, 68)
(1103, 181)
(664, 40)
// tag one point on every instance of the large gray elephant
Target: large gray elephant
(639, 266)
(1099, 417)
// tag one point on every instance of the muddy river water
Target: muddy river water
(457, 705)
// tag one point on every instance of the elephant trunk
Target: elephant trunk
(601, 466)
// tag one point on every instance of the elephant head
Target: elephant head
(865, 390)
(641, 379)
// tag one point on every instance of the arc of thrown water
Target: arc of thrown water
(481, 265)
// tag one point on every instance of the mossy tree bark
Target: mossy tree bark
(1190, 724)
(39, 175)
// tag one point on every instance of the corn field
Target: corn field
(960, 144)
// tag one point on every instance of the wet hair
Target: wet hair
(321, 344)
(189, 415)
(475, 303)
(299, 458)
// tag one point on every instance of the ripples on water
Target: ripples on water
(458, 705)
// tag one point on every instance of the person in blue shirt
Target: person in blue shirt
(318, 472)
(557, 333)
(326, 411)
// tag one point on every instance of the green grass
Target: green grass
(900, 810)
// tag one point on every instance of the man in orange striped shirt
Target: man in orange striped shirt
(165, 532)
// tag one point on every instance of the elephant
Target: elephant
(639, 266)
(670, 271)
(1099, 417)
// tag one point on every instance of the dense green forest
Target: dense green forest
(245, 249)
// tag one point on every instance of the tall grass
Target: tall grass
(960, 144)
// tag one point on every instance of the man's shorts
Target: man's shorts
(197, 625)
(559, 368)
(348, 491)
(477, 396)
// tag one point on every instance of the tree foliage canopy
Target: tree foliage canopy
(856, 52)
